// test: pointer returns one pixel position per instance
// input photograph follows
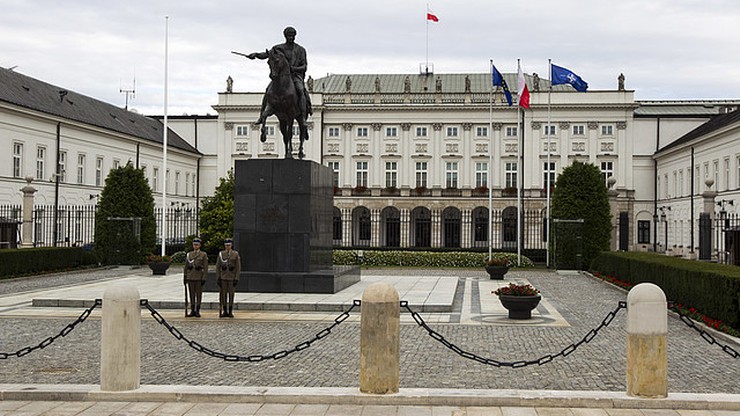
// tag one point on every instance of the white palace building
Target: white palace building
(411, 155)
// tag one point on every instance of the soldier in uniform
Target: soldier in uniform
(196, 270)
(228, 267)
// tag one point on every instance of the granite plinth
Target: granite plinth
(283, 227)
(318, 281)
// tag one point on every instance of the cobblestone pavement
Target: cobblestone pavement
(694, 365)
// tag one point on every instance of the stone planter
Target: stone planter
(520, 307)
(497, 272)
(159, 268)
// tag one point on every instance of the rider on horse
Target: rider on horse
(296, 56)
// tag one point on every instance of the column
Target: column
(27, 226)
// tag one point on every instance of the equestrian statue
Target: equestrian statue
(286, 96)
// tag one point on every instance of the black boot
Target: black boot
(230, 315)
(197, 313)
(192, 313)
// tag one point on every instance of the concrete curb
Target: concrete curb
(352, 396)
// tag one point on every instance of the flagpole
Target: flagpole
(549, 173)
(426, 64)
(489, 180)
(519, 176)
(164, 136)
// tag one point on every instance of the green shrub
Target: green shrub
(20, 262)
(711, 288)
(420, 258)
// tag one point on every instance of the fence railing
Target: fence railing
(74, 225)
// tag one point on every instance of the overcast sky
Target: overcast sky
(667, 49)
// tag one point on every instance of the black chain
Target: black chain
(704, 334)
(513, 364)
(48, 341)
(252, 358)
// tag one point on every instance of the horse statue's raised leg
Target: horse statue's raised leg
(263, 120)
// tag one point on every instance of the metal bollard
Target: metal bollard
(120, 344)
(380, 327)
(647, 348)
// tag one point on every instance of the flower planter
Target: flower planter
(159, 268)
(520, 307)
(497, 272)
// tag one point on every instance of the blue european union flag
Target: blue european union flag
(562, 75)
(498, 80)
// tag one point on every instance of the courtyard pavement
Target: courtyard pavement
(458, 304)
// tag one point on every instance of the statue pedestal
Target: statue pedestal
(283, 228)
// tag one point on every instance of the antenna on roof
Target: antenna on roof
(129, 92)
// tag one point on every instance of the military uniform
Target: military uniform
(196, 270)
(228, 267)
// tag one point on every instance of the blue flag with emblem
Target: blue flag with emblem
(498, 81)
(562, 75)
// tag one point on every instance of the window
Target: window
(643, 232)
(242, 130)
(727, 174)
(62, 166)
(362, 132)
(391, 131)
(550, 130)
(481, 174)
(737, 179)
(607, 170)
(333, 131)
(715, 176)
(17, 160)
(361, 174)
(421, 132)
(548, 174)
(99, 171)
(335, 172)
(81, 161)
(116, 164)
(679, 186)
(511, 132)
(451, 131)
(155, 179)
(391, 174)
(451, 174)
(511, 174)
(607, 130)
(40, 163)
(144, 171)
(421, 174)
(270, 130)
(187, 182)
(481, 131)
(166, 183)
(177, 182)
(666, 186)
(578, 130)
(697, 181)
(192, 185)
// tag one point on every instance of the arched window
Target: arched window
(451, 220)
(390, 219)
(421, 222)
(480, 227)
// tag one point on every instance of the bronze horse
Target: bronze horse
(282, 101)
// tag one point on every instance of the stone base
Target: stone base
(320, 281)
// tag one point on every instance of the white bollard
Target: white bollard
(380, 327)
(120, 343)
(647, 347)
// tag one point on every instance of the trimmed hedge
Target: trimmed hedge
(420, 258)
(19, 262)
(711, 288)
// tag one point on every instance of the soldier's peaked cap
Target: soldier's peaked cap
(197, 240)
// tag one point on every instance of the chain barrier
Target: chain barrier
(514, 364)
(251, 358)
(704, 334)
(48, 341)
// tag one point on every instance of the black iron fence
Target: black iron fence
(74, 225)
(726, 230)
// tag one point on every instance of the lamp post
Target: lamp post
(664, 220)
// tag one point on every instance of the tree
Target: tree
(217, 215)
(580, 193)
(125, 227)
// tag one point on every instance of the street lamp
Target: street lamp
(664, 219)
